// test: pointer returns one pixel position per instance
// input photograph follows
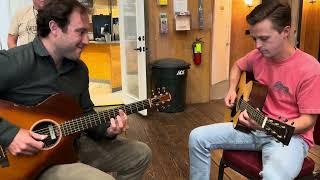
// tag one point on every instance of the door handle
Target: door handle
(141, 38)
(138, 49)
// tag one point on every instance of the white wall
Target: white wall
(7, 10)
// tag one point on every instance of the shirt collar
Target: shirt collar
(39, 48)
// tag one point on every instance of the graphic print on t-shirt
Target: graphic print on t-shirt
(279, 87)
(31, 29)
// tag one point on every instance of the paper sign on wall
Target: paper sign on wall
(183, 21)
(180, 5)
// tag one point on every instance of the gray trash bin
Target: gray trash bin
(172, 74)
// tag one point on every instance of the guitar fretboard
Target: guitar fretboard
(255, 114)
(95, 119)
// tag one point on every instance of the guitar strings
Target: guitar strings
(75, 123)
(260, 114)
(72, 126)
(260, 117)
(255, 112)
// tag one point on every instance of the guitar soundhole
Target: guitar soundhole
(235, 107)
(51, 130)
(233, 111)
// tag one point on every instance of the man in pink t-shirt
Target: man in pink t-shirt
(293, 81)
(293, 88)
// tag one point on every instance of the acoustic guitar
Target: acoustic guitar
(251, 96)
(60, 117)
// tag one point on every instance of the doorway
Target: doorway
(220, 48)
(117, 65)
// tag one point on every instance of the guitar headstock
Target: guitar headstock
(160, 98)
(281, 131)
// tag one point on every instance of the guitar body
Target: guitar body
(58, 108)
(250, 91)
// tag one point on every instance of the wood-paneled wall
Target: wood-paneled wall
(240, 43)
(310, 28)
(178, 44)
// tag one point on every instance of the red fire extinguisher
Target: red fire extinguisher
(197, 51)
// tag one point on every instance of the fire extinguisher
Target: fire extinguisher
(197, 51)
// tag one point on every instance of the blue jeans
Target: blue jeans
(279, 162)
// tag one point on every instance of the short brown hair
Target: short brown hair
(279, 14)
(58, 11)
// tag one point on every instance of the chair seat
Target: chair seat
(249, 163)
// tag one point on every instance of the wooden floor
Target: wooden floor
(167, 135)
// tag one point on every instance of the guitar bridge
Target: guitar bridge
(4, 162)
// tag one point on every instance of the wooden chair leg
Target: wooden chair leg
(221, 169)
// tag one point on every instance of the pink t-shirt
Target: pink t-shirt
(293, 85)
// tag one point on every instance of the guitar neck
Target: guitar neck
(281, 131)
(103, 117)
(254, 114)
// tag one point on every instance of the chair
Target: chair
(249, 163)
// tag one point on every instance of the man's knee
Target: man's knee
(277, 174)
(75, 171)
(143, 152)
(195, 137)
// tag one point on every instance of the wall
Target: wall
(103, 61)
(7, 11)
(179, 45)
(103, 7)
(310, 28)
(294, 21)
(240, 42)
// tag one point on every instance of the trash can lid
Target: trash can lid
(170, 63)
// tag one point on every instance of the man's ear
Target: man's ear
(54, 27)
(286, 31)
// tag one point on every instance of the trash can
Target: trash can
(172, 74)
